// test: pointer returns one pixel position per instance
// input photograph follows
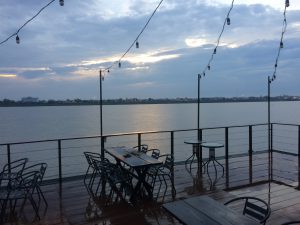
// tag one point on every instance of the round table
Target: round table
(196, 143)
(212, 155)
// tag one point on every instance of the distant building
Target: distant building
(29, 99)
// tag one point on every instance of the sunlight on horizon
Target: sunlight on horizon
(8, 75)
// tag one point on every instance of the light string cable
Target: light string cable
(226, 21)
(61, 2)
(135, 40)
(284, 26)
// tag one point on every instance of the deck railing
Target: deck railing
(66, 160)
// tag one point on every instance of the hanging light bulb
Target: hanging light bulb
(17, 40)
(215, 50)
(61, 2)
(137, 45)
(108, 71)
(287, 3)
(275, 65)
(119, 64)
(281, 44)
(203, 74)
(208, 67)
(228, 20)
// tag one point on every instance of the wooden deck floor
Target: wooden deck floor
(74, 206)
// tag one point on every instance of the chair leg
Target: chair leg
(36, 209)
(40, 193)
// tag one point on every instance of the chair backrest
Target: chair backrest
(26, 181)
(142, 148)
(254, 207)
(90, 156)
(40, 168)
(101, 166)
(16, 166)
(154, 153)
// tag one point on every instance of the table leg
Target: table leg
(141, 176)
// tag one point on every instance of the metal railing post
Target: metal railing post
(271, 151)
(298, 156)
(139, 141)
(8, 156)
(103, 138)
(172, 153)
(227, 155)
(250, 154)
(59, 163)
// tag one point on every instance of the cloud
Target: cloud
(66, 47)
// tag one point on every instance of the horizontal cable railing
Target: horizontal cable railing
(65, 156)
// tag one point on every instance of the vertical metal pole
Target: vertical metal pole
(101, 121)
(198, 108)
(298, 156)
(227, 156)
(59, 163)
(8, 156)
(269, 139)
(139, 141)
(269, 128)
(172, 154)
(250, 156)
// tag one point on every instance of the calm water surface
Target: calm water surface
(35, 123)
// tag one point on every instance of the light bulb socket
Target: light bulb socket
(137, 45)
(17, 40)
(228, 20)
(281, 44)
(287, 3)
(215, 51)
(61, 2)
(208, 67)
(119, 64)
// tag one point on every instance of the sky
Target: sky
(62, 50)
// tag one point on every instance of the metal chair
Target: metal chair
(254, 207)
(141, 148)
(118, 179)
(155, 153)
(22, 188)
(162, 173)
(12, 170)
(89, 157)
(41, 169)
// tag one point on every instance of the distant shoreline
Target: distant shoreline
(135, 101)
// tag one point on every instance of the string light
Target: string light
(61, 2)
(287, 3)
(227, 21)
(28, 21)
(17, 40)
(135, 42)
(284, 25)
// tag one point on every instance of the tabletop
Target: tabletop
(212, 145)
(202, 210)
(132, 157)
(194, 141)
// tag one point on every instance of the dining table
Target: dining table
(140, 163)
(204, 210)
(196, 152)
